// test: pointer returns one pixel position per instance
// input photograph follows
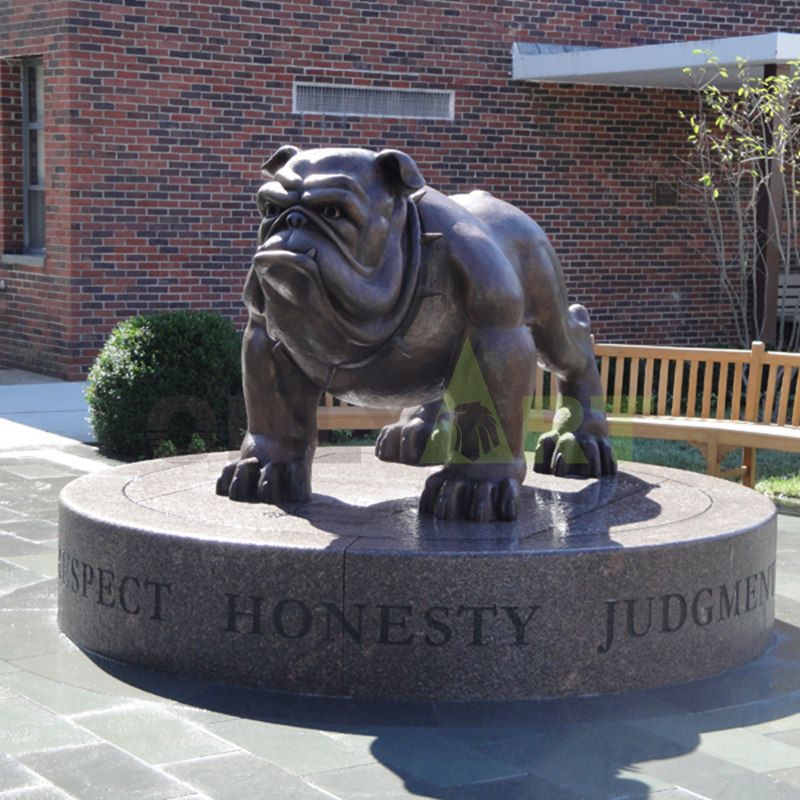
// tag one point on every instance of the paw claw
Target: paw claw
(449, 494)
(578, 454)
(247, 481)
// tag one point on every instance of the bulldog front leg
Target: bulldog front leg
(274, 463)
(483, 478)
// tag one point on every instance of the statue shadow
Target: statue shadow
(609, 746)
(580, 513)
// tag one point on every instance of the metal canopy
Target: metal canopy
(655, 65)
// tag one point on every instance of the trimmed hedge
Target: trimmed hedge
(168, 377)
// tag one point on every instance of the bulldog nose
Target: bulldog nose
(296, 219)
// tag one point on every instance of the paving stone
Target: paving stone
(42, 791)
(222, 702)
(74, 668)
(298, 751)
(789, 585)
(745, 749)
(7, 513)
(789, 776)
(37, 470)
(14, 775)
(744, 786)
(41, 596)
(103, 772)
(44, 564)
(374, 781)
(13, 577)
(27, 727)
(579, 756)
(409, 751)
(59, 697)
(790, 737)
(6, 668)
(237, 776)
(11, 545)
(34, 530)
(29, 633)
(476, 736)
(153, 734)
(527, 788)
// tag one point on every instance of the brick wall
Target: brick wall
(159, 114)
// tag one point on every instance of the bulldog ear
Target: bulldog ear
(278, 159)
(401, 171)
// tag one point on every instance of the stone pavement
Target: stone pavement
(73, 726)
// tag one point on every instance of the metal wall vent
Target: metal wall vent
(367, 101)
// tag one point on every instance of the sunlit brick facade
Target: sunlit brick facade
(158, 114)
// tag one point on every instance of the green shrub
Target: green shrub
(168, 376)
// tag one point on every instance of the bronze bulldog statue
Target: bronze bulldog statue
(370, 285)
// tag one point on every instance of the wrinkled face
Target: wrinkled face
(326, 222)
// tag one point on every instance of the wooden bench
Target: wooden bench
(717, 400)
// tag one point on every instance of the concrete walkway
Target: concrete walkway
(44, 404)
(72, 726)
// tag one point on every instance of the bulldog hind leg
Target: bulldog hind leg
(579, 443)
(406, 440)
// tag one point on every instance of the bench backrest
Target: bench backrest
(701, 383)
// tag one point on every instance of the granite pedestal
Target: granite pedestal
(652, 577)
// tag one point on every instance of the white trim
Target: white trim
(657, 65)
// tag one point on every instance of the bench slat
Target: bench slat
(647, 392)
(796, 412)
(604, 365)
(663, 380)
(722, 390)
(783, 397)
(708, 383)
(619, 374)
(691, 396)
(633, 385)
(736, 393)
(769, 398)
(677, 388)
(754, 382)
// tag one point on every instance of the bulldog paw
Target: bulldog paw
(246, 480)
(580, 454)
(449, 495)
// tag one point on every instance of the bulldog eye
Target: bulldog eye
(331, 212)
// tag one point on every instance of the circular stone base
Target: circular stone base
(652, 577)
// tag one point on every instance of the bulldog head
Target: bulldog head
(333, 254)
